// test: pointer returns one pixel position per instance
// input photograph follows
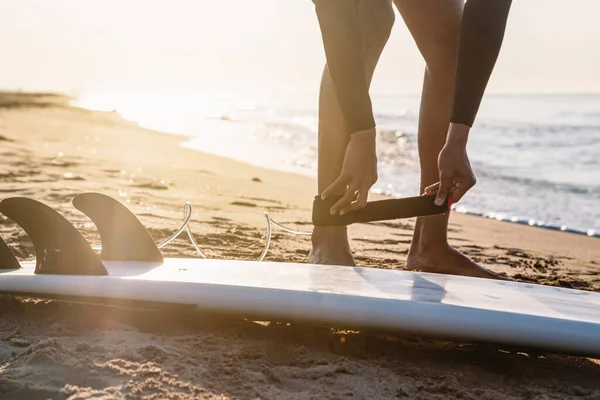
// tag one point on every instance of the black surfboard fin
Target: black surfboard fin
(59, 246)
(7, 258)
(123, 236)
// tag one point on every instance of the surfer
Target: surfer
(460, 42)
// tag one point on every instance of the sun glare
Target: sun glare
(166, 112)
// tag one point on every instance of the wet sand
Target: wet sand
(57, 350)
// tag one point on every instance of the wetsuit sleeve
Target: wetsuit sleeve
(482, 33)
(342, 41)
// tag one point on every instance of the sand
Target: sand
(57, 350)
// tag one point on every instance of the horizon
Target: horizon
(89, 47)
(379, 95)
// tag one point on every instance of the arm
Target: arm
(482, 33)
(342, 41)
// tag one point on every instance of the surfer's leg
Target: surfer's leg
(330, 244)
(435, 26)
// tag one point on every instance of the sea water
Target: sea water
(536, 156)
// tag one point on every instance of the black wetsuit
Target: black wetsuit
(482, 32)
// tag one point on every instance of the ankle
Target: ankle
(328, 234)
(418, 248)
(423, 244)
(431, 233)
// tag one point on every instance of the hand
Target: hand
(456, 175)
(358, 174)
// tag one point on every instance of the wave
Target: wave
(544, 136)
(528, 221)
(537, 128)
(403, 114)
(541, 183)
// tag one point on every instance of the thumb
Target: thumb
(445, 187)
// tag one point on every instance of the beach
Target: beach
(48, 349)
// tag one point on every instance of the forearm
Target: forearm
(342, 41)
(482, 33)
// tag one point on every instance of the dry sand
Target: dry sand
(58, 350)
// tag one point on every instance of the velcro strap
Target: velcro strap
(378, 210)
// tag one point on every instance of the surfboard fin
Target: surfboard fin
(123, 236)
(7, 258)
(59, 246)
(378, 210)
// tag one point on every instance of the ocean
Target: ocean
(536, 156)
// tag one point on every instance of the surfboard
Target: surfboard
(394, 301)
(130, 270)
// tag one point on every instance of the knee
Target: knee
(441, 55)
(378, 18)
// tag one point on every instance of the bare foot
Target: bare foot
(444, 259)
(330, 246)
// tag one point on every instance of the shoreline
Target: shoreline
(490, 214)
(53, 349)
(303, 203)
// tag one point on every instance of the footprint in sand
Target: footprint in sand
(243, 204)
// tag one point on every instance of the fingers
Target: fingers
(344, 201)
(431, 189)
(458, 193)
(355, 193)
(338, 186)
(445, 186)
(461, 188)
(456, 189)
(361, 201)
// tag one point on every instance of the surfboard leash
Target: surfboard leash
(53, 235)
(378, 210)
(374, 211)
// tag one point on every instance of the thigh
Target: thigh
(435, 27)
(376, 22)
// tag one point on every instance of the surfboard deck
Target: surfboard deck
(396, 301)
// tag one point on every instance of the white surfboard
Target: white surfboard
(420, 304)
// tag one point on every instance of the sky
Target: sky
(189, 45)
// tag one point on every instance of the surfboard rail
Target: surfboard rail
(428, 305)
(462, 309)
